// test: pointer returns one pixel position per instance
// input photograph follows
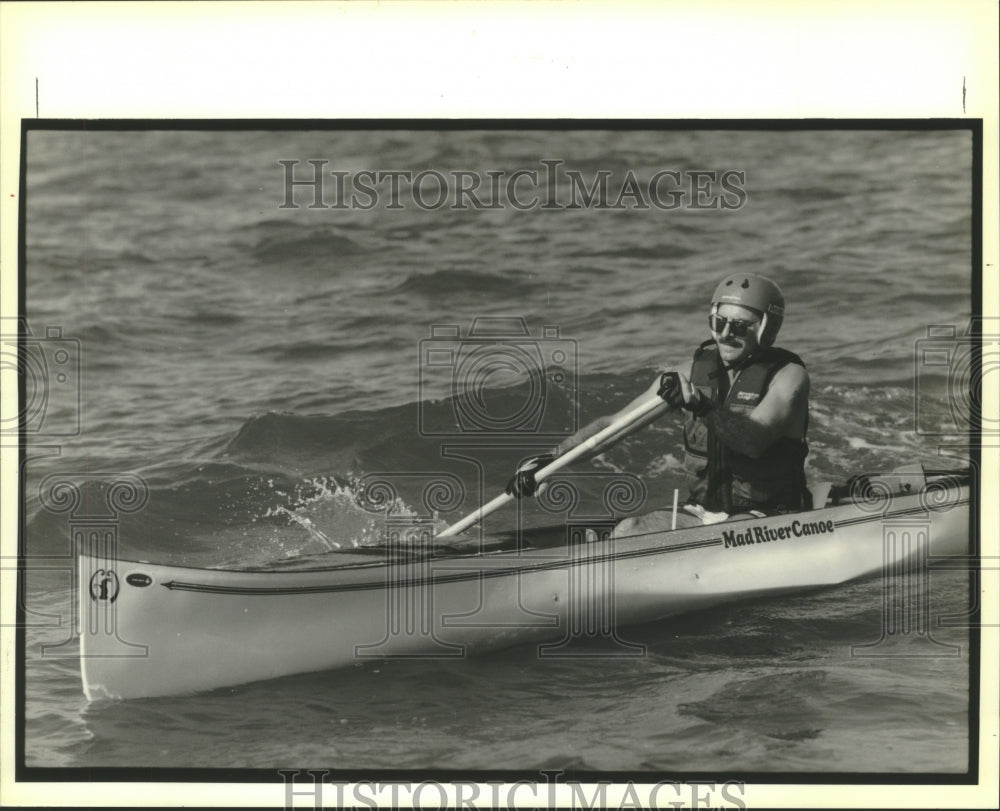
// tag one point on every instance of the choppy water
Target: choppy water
(251, 363)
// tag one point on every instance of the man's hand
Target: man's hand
(523, 482)
(676, 389)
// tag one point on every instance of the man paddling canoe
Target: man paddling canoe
(747, 409)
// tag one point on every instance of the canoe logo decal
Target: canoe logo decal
(763, 533)
(138, 579)
(104, 586)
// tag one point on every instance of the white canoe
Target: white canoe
(152, 630)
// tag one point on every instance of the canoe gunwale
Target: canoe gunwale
(490, 564)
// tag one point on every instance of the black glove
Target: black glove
(670, 390)
(523, 482)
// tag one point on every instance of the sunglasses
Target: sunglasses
(738, 328)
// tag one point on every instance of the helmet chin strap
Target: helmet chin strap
(762, 328)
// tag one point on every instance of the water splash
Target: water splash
(306, 523)
(332, 516)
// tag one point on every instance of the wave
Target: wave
(812, 194)
(271, 435)
(282, 241)
(529, 406)
(654, 252)
(455, 281)
(320, 350)
(212, 318)
(322, 244)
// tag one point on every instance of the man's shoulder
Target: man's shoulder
(791, 378)
(782, 357)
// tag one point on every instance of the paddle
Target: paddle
(567, 458)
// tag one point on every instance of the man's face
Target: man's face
(733, 349)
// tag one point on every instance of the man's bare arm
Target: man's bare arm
(603, 422)
(780, 413)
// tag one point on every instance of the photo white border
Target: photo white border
(535, 59)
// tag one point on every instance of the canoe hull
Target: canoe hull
(150, 630)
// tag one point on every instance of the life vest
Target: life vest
(722, 478)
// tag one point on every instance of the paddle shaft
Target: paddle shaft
(567, 458)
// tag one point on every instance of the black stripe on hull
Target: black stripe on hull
(563, 563)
